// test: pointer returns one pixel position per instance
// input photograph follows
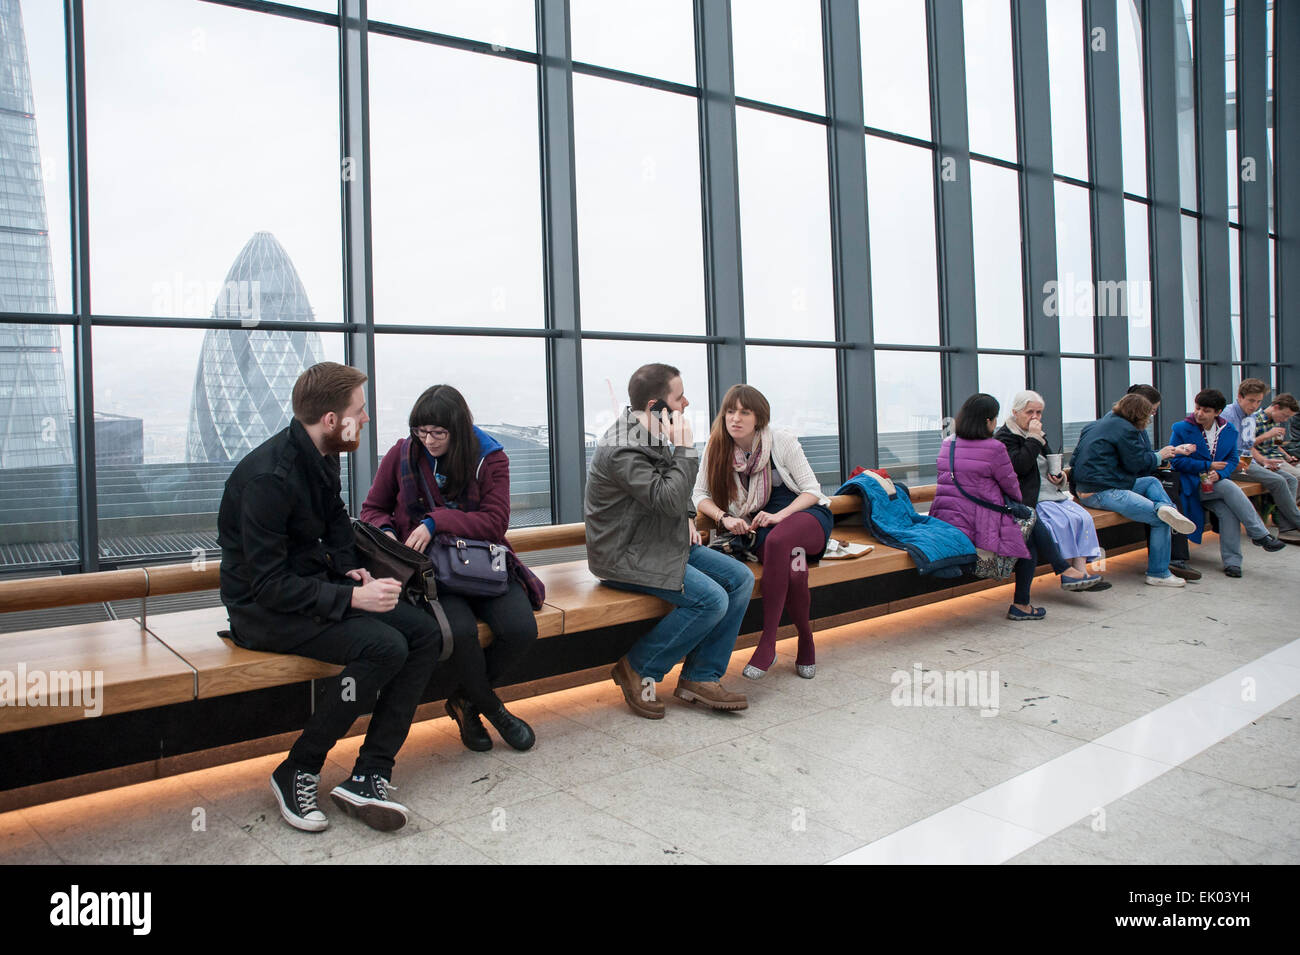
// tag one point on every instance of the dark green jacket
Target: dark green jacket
(637, 506)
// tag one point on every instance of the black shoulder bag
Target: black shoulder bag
(385, 557)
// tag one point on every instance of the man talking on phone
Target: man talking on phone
(641, 536)
(291, 583)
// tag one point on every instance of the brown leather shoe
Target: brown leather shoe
(638, 693)
(1184, 572)
(713, 695)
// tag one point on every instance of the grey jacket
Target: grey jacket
(637, 505)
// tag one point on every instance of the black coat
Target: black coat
(286, 543)
(1024, 459)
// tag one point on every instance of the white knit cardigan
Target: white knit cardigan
(787, 458)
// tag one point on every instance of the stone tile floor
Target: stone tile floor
(811, 771)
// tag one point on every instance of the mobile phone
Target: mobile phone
(659, 407)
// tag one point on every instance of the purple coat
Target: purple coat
(984, 469)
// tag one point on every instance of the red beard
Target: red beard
(336, 444)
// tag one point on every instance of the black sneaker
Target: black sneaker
(295, 791)
(1183, 571)
(1232, 571)
(1270, 544)
(365, 797)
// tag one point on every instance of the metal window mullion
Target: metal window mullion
(1037, 205)
(956, 254)
(358, 289)
(1212, 195)
(87, 478)
(850, 242)
(1286, 194)
(560, 244)
(1160, 95)
(720, 195)
(1106, 170)
(1252, 147)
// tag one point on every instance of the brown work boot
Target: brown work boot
(638, 691)
(713, 695)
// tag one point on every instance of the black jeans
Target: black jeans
(394, 652)
(1040, 543)
(480, 669)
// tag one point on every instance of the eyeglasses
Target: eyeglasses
(437, 434)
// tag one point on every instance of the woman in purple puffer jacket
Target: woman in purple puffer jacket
(984, 469)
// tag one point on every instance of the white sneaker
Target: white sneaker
(1175, 519)
(1170, 581)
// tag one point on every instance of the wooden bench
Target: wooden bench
(168, 658)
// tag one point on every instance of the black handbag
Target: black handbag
(998, 566)
(385, 557)
(466, 567)
(470, 568)
(740, 546)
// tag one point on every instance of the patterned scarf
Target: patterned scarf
(753, 475)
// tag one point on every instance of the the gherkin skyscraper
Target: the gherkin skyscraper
(245, 378)
(33, 390)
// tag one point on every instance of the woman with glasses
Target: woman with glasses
(449, 477)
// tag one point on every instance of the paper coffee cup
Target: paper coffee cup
(1054, 464)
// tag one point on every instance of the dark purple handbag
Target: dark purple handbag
(470, 568)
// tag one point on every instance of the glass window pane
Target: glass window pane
(651, 37)
(999, 277)
(35, 233)
(1194, 385)
(1234, 291)
(990, 83)
(1065, 45)
(777, 52)
(1230, 78)
(909, 414)
(800, 385)
(895, 66)
(1132, 109)
(640, 238)
(1002, 376)
(504, 384)
(225, 123)
(38, 474)
(1272, 304)
(1185, 98)
(1078, 398)
(1191, 289)
(607, 366)
(502, 22)
(785, 228)
(186, 406)
(1140, 373)
(456, 232)
(1137, 289)
(1073, 301)
(1270, 155)
(904, 266)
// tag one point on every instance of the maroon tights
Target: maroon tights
(785, 587)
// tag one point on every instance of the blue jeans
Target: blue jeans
(1140, 504)
(704, 627)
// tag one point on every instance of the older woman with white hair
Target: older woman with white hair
(1066, 535)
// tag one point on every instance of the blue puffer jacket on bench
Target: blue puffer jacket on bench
(935, 546)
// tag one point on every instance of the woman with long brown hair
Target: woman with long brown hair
(754, 478)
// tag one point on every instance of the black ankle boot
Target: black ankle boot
(472, 733)
(512, 729)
